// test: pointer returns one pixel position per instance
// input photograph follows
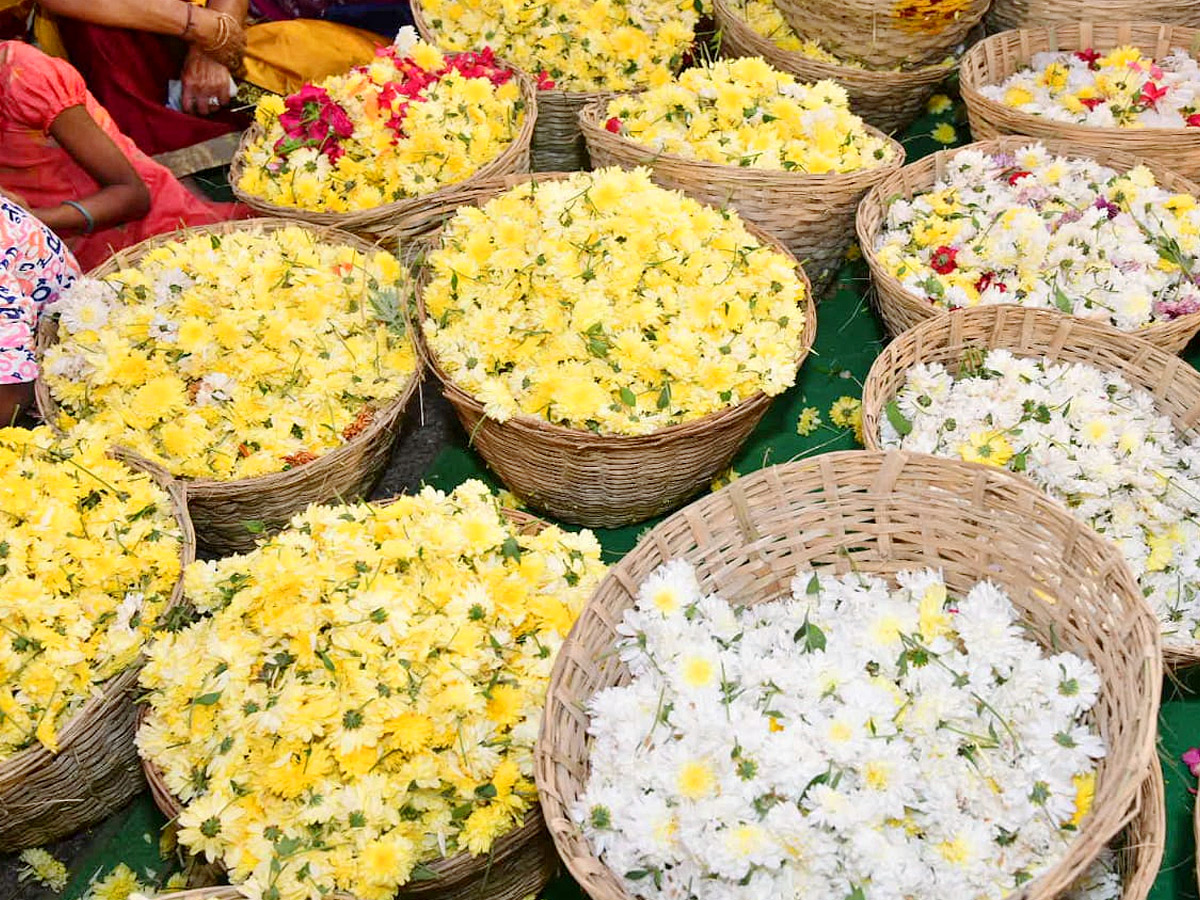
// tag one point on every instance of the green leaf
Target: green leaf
(898, 420)
(511, 548)
(422, 872)
(664, 396)
(814, 585)
(628, 397)
(255, 527)
(1018, 462)
(1062, 301)
(207, 699)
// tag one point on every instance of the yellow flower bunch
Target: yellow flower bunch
(229, 356)
(596, 45)
(928, 16)
(403, 126)
(365, 694)
(604, 302)
(742, 112)
(765, 18)
(89, 555)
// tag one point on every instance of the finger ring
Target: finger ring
(213, 101)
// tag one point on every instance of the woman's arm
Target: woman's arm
(204, 79)
(122, 197)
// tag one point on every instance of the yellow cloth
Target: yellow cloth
(282, 56)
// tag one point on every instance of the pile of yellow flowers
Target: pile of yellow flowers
(603, 302)
(229, 356)
(403, 126)
(89, 556)
(612, 45)
(744, 113)
(365, 695)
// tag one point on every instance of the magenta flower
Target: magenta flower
(1192, 759)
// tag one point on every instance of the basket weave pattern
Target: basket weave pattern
(812, 215)
(879, 513)
(221, 509)
(1144, 840)
(901, 309)
(1006, 15)
(1173, 383)
(607, 480)
(994, 59)
(889, 100)
(45, 796)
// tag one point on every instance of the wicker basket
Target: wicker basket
(1005, 15)
(221, 509)
(881, 34)
(902, 310)
(879, 513)
(812, 215)
(45, 796)
(557, 145)
(411, 216)
(1140, 847)
(996, 58)
(1173, 383)
(607, 480)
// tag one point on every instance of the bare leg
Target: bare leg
(15, 399)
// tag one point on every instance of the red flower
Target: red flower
(1089, 56)
(1017, 176)
(1151, 94)
(544, 81)
(987, 280)
(942, 260)
(1194, 120)
(613, 125)
(1092, 102)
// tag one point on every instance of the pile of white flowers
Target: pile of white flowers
(1042, 230)
(857, 740)
(1087, 437)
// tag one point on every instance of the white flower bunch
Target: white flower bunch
(1042, 230)
(1089, 439)
(857, 739)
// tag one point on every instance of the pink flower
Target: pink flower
(613, 125)
(1089, 56)
(1151, 94)
(544, 81)
(1192, 759)
(1194, 120)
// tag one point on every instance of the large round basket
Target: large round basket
(994, 59)
(221, 510)
(557, 144)
(412, 216)
(884, 34)
(608, 480)
(877, 513)
(1005, 15)
(888, 99)
(1173, 383)
(901, 309)
(1141, 845)
(812, 215)
(45, 796)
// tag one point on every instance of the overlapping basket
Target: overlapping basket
(879, 513)
(901, 309)
(994, 59)
(889, 99)
(412, 216)
(1173, 383)
(557, 145)
(607, 480)
(1141, 845)
(1005, 15)
(45, 796)
(812, 215)
(886, 33)
(221, 510)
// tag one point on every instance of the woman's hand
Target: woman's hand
(206, 85)
(14, 197)
(218, 33)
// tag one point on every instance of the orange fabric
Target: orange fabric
(34, 90)
(282, 57)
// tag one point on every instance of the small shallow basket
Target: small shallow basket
(812, 215)
(519, 865)
(45, 796)
(888, 99)
(412, 216)
(557, 144)
(608, 480)
(901, 309)
(877, 513)
(1005, 15)
(1173, 383)
(879, 33)
(222, 509)
(994, 59)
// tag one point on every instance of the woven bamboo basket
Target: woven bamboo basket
(877, 513)
(1141, 845)
(221, 509)
(888, 99)
(519, 865)
(45, 796)
(608, 480)
(996, 58)
(884, 34)
(1006, 15)
(812, 215)
(901, 309)
(411, 216)
(557, 144)
(1173, 383)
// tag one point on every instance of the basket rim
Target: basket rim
(879, 198)
(201, 488)
(589, 123)
(978, 54)
(456, 394)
